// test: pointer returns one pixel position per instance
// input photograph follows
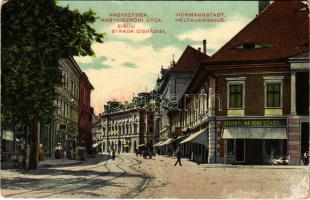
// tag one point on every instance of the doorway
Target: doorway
(254, 151)
(239, 150)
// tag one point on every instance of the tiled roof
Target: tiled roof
(283, 27)
(189, 60)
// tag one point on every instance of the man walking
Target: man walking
(306, 158)
(179, 154)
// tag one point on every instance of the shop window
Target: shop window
(235, 96)
(273, 95)
(230, 147)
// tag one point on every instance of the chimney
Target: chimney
(199, 49)
(262, 4)
(204, 46)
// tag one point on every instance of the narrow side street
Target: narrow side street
(130, 176)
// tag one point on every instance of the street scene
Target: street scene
(157, 99)
(129, 176)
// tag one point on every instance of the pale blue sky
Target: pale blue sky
(129, 63)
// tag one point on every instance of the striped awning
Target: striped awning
(113, 133)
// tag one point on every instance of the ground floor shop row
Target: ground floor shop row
(57, 132)
(123, 145)
(244, 141)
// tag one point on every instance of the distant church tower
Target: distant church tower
(262, 4)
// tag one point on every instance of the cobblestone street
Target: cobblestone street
(134, 177)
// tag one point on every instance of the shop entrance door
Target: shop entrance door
(239, 150)
(254, 151)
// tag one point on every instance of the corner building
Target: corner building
(261, 76)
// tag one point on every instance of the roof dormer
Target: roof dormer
(248, 46)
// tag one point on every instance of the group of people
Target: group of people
(60, 153)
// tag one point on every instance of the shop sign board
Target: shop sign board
(255, 122)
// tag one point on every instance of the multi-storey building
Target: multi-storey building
(256, 88)
(97, 134)
(86, 112)
(125, 128)
(192, 117)
(64, 128)
(172, 86)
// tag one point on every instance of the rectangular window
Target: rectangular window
(71, 88)
(64, 109)
(60, 107)
(67, 83)
(71, 111)
(230, 147)
(235, 96)
(273, 95)
(64, 79)
(67, 110)
(74, 92)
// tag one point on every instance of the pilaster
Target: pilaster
(293, 143)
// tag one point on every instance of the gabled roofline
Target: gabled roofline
(252, 21)
(304, 57)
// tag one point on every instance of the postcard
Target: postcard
(155, 99)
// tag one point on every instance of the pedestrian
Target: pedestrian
(179, 154)
(306, 158)
(58, 151)
(70, 152)
(41, 152)
(113, 154)
(23, 153)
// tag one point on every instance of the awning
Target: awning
(200, 137)
(178, 138)
(158, 143)
(255, 133)
(8, 135)
(97, 144)
(164, 132)
(113, 133)
(141, 145)
(166, 142)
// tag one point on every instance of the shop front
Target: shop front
(195, 146)
(255, 141)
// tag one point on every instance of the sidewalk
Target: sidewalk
(50, 162)
(58, 162)
(221, 165)
(67, 162)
